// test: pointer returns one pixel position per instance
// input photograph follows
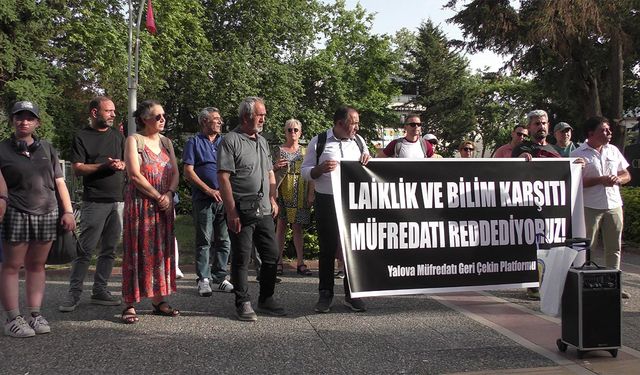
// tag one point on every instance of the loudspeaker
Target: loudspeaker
(591, 309)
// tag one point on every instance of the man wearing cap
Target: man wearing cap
(563, 131)
(434, 142)
(411, 146)
(97, 156)
(518, 135)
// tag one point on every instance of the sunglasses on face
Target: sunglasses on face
(293, 130)
(468, 149)
(522, 134)
(413, 124)
(158, 117)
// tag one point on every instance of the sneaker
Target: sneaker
(225, 286)
(338, 275)
(533, 294)
(271, 307)
(18, 327)
(179, 274)
(355, 304)
(204, 288)
(624, 294)
(324, 302)
(39, 324)
(245, 312)
(70, 303)
(105, 298)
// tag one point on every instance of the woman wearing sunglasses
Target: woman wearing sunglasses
(148, 267)
(295, 195)
(467, 149)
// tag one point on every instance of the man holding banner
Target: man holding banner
(322, 158)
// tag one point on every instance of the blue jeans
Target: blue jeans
(98, 222)
(212, 240)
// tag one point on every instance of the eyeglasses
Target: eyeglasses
(522, 135)
(413, 124)
(468, 149)
(433, 141)
(293, 130)
(158, 117)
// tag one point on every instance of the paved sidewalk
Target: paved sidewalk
(480, 333)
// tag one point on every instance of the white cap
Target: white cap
(430, 137)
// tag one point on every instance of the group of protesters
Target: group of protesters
(244, 196)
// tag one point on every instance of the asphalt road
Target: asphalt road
(487, 333)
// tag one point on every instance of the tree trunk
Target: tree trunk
(617, 65)
(592, 103)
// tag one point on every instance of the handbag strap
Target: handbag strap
(260, 192)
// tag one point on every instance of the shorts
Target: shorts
(20, 226)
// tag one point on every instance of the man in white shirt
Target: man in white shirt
(340, 142)
(604, 171)
(411, 146)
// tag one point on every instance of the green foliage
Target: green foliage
(499, 104)
(579, 52)
(631, 199)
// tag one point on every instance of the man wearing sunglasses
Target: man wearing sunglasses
(518, 135)
(411, 146)
(562, 132)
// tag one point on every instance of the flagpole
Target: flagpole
(132, 79)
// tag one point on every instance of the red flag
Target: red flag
(151, 23)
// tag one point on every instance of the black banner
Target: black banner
(410, 226)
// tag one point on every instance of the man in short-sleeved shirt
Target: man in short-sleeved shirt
(97, 156)
(342, 142)
(518, 135)
(411, 145)
(200, 159)
(244, 170)
(604, 171)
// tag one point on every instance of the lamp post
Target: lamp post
(132, 78)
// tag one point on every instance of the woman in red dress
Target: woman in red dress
(148, 267)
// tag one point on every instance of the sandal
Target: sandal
(303, 270)
(128, 317)
(168, 311)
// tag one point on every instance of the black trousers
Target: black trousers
(262, 235)
(328, 237)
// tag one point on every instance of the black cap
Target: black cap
(25, 106)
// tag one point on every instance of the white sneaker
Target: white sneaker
(18, 327)
(225, 286)
(179, 274)
(39, 324)
(204, 289)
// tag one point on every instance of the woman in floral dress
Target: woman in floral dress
(295, 195)
(148, 267)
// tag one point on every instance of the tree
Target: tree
(27, 70)
(444, 86)
(575, 47)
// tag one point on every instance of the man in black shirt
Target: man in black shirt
(537, 146)
(97, 156)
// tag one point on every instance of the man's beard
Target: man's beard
(103, 124)
(541, 134)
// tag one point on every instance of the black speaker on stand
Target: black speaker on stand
(591, 309)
